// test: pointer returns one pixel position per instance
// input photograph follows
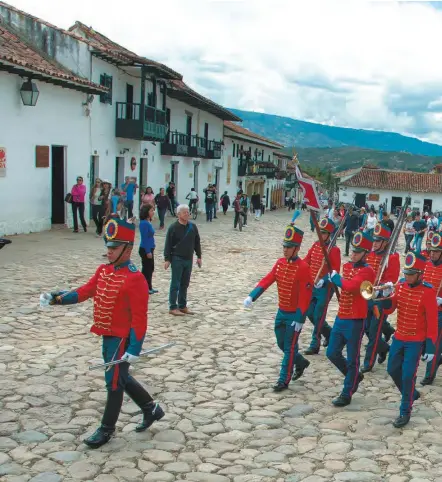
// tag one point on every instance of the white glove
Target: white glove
(439, 301)
(319, 284)
(45, 299)
(298, 326)
(333, 273)
(427, 358)
(387, 292)
(129, 358)
(389, 285)
(248, 302)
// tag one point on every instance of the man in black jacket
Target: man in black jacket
(182, 240)
(351, 226)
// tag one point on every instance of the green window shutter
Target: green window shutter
(109, 86)
(103, 83)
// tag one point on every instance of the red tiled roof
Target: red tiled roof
(18, 57)
(348, 172)
(181, 91)
(245, 132)
(118, 52)
(407, 181)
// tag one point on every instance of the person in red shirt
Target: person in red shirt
(433, 276)
(348, 328)
(120, 296)
(376, 318)
(426, 252)
(416, 327)
(323, 289)
(294, 283)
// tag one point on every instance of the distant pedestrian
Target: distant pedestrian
(408, 232)
(171, 193)
(97, 206)
(350, 227)
(163, 203)
(225, 202)
(148, 197)
(147, 244)
(128, 190)
(182, 240)
(420, 226)
(78, 192)
(387, 221)
(256, 203)
(105, 198)
(208, 201)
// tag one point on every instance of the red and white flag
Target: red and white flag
(308, 187)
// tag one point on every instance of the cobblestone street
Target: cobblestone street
(223, 422)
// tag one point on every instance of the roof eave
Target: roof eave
(50, 79)
(253, 140)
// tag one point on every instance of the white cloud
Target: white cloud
(343, 62)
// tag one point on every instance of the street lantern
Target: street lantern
(29, 93)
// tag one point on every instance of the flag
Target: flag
(308, 187)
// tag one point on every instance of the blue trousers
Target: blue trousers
(376, 344)
(432, 367)
(347, 333)
(418, 243)
(117, 376)
(287, 339)
(181, 271)
(403, 362)
(209, 211)
(316, 313)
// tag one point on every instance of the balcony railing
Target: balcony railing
(257, 169)
(131, 125)
(180, 144)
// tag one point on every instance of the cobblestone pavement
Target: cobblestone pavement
(223, 421)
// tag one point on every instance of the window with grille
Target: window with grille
(106, 81)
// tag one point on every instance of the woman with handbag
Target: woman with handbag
(78, 192)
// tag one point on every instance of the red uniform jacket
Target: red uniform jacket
(425, 253)
(391, 271)
(416, 312)
(120, 301)
(294, 284)
(433, 276)
(351, 304)
(315, 258)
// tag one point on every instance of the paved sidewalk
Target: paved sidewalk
(223, 421)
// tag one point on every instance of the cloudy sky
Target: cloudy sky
(352, 63)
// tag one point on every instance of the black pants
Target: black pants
(97, 216)
(408, 240)
(148, 265)
(80, 208)
(348, 236)
(225, 207)
(236, 219)
(172, 205)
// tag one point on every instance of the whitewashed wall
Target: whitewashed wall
(346, 195)
(57, 119)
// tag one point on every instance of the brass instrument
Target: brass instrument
(368, 290)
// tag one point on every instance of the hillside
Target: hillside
(301, 134)
(340, 159)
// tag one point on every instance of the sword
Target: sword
(143, 353)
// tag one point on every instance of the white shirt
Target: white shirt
(432, 222)
(192, 195)
(371, 222)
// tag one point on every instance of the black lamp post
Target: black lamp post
(29, 93)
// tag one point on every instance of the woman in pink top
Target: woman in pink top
(78, 192)
(148, 197)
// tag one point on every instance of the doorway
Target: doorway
(189, 129)
(119, 171)
(174, 176)
(396, 202)
(267, 198)
(360, 200)
(195, 176)
(428, 205)
(58, 185)
(142, 178)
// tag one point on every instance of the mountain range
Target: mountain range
(342, 147)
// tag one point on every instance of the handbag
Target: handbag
(68, 198)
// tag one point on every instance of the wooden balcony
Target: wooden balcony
(250, 168)
(132, 124)
(179, 144)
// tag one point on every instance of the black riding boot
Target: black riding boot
(152, 412)
(111, 412)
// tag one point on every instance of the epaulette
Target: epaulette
(428, 285)
(132, 268)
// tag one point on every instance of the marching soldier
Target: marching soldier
(416, 329)
(375, 319)
(323, 289)
(120, 295)
(433, 276)
(294, 283)
(348, 328)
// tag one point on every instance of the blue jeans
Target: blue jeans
(130, 208)
(161, 215)
(317, 312)
(403, 363)
(287, 340)
(418, 244)
(113, 349)
(434, 364)
(209, 211)
(346, 333)
(181, 271)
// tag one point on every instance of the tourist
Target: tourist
(225, 202)
(237, 209)
(370, 223)
(105, 198)
(171, 193)
(163, 203)
(193, 198)
(208, 201)
(78, 192)
(128, 190)
(419, 226)
(362, 218)
(350, 227)
(148, 197)
(97, 206)
(245, 206)
(408, 232)
(432, 222)
(256, 203)
(387, 221)
(147, 244)
(182, 240)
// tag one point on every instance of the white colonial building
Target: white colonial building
(252, 164)
(380, 186)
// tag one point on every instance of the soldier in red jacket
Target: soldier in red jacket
(323, 290)
(373, 323)
(416, 329)
(433, 276)
(120, 294)
(294, 283)
(348, 328)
